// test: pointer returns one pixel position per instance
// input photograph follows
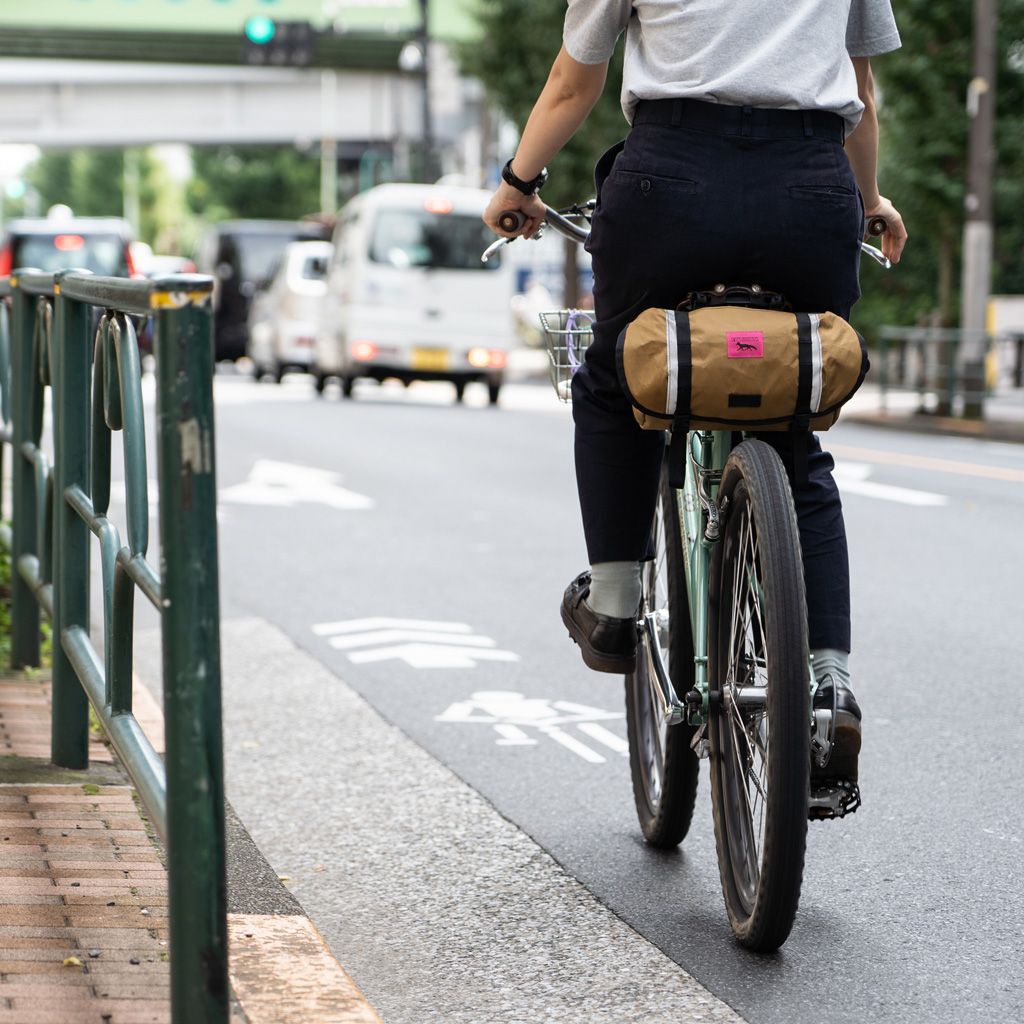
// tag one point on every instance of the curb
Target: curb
(1010, 431)
(70, 911)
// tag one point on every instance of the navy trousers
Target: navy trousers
(701, 194)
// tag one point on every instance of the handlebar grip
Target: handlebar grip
(877, 226)
(511, 221)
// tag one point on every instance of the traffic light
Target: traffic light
(271, 43)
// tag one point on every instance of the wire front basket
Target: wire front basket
(567, 333)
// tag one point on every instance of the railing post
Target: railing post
(69, 740)
(191, 656)
(25, 396)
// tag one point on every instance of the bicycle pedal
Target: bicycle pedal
(833, 798)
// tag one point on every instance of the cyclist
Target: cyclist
(751, 158)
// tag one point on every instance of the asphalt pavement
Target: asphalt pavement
(414, 552)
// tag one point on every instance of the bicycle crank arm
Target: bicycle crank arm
(672, 709)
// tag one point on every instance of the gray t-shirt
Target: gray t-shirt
(790, 54)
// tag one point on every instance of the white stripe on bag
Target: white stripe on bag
(816, 367)
(673, 362)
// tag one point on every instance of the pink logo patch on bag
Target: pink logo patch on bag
(746, 344)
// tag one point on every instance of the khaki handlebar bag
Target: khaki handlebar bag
(739, 368)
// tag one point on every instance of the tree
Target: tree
(923, 159)
(513, 67)
(253, 181)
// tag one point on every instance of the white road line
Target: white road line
(571, 743)
(394, 636)
(432, 656)
(363, 625)
(852, 479)
(605, 736)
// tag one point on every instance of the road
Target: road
(414, 552)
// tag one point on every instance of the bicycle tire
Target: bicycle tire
(757, 637)
(663, 766)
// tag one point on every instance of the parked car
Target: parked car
(62, 241)
(407, 294)
(241, 256)
(286, 314)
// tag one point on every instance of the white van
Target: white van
(407, 295)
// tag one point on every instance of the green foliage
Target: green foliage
(90, 181)
(253, 181)
(46, 645)
(512, 57)
(923, 163)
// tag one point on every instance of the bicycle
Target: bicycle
(723, 666)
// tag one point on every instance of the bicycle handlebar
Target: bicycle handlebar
(512, 221)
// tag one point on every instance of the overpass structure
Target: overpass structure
(56, 103)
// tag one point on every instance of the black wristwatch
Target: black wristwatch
(528, 188)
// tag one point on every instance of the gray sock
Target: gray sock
(828, 660)
(615, 588)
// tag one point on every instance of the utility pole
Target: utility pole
(976, 280)
(423, 39)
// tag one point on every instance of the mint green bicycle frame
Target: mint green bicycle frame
(706, 455)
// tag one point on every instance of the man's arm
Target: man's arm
(862, 150)
(569, 95)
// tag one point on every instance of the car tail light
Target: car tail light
(130, 263)
(486, 359)
(364, 351)
(5, 261)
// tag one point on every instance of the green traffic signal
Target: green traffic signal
(260, 29)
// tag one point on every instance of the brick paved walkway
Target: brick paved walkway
(83, 900)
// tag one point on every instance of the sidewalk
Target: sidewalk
(1004, 415)
(83, 901)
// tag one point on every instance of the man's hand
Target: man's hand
(895, 237)
(507, 199)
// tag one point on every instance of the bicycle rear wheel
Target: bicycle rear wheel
(663, 765)
(759, 724)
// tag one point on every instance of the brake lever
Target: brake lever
(494, 247)
(877, 255)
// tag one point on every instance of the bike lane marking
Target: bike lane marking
(511, 714)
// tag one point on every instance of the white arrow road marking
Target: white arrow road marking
(284, 485)
(852, 478)
(432, 656)
(363, 625)
(417, 643)
(393, 636)
(511, 714)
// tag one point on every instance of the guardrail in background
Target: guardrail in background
(94, 372)
(926, 360)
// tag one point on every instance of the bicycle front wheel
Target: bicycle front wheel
(759, 724)
(661, 761)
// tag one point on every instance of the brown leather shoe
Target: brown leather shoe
(608, 644)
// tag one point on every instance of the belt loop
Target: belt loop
(808, 124)
(748, 113)
(677, 112)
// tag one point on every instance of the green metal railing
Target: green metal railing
(92, 368)
(926, 360)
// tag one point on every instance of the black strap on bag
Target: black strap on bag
(802, 417)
